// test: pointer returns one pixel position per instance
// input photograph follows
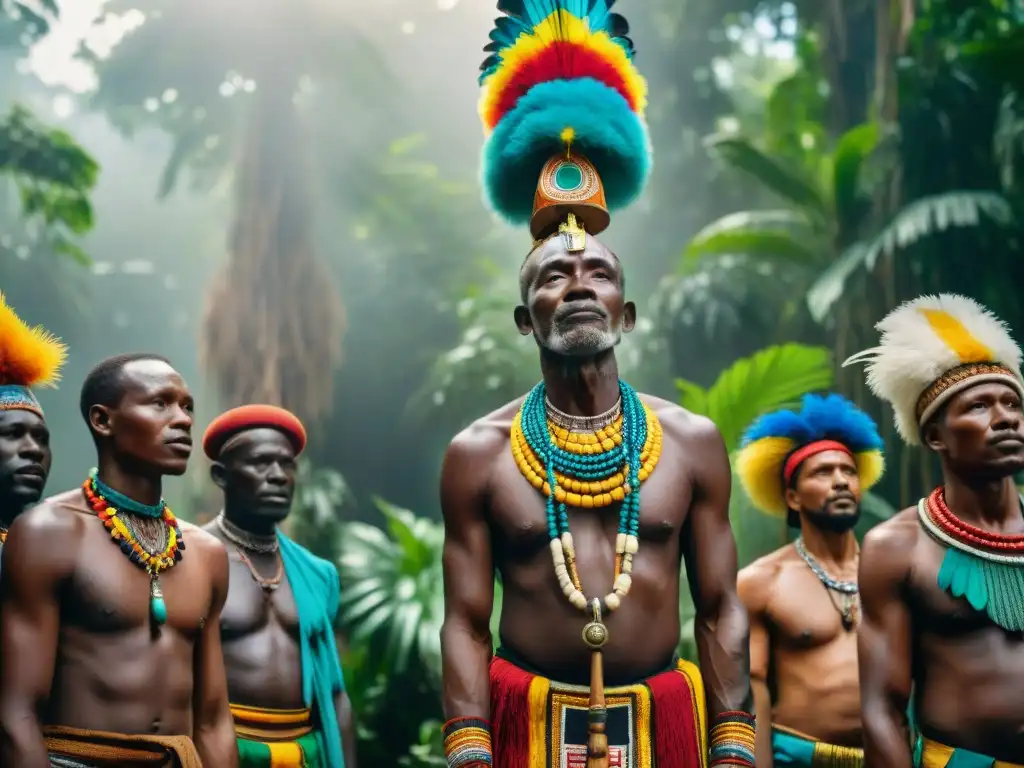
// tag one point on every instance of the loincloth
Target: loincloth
(935, 755)
(275, 738)
(790, 747)
(78, 748)
(538, 723)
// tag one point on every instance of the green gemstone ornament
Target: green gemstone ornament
(157, 606)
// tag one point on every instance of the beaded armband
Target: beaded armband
(467, 742)
(732, 740)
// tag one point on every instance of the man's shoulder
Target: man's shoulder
(757, 580)
(485, 435)
(894, 535)
(49, 533)
(199, 538)
(887, 552)
(61, 513)
(680, 423)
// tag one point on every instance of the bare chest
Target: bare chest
(110, 594)
(521, 520)
(251, 607)
(805, 615)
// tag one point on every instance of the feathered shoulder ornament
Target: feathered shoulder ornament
(562, 106)
(930, 349)
(29, 357)
(777, 443)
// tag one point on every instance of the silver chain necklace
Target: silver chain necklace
(847, 590)
(253, 542)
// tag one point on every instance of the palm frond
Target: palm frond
(778, 235)
(921, 219)
(741, 154)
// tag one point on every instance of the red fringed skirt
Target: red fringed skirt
(538, 723)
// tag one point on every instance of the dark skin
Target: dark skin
(261, 637)
(25, 460)
(494, 519)
(77, 645)
(803, 661)
(968, 673)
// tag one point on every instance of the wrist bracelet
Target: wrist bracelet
(467, 742)
(732, 740)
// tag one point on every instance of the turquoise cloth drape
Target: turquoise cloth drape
(314, 584)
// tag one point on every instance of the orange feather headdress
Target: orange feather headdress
(29, 357)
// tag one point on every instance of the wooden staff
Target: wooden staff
(595, 635)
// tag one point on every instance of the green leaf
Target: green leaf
(692, 397)
(772, 378)
(741, 154)
(828, 287)
(763, 243)
(852, 149)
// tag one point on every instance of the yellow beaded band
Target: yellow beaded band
(467, 742)
(583, 493)
(732, 741)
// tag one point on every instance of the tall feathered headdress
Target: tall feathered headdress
(933, 347)
(777, 443)
(29, 357)
(562, 107)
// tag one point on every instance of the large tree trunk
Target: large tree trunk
(274, 323)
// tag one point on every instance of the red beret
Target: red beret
(245, 417)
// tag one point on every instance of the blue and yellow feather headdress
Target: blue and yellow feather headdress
(562, 106)
(777, 443)
(29, 357)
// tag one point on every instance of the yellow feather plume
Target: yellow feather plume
(29, 357)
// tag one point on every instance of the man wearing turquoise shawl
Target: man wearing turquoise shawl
(278, 627)
(942, 583)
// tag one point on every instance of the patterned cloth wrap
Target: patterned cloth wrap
(275, 738)
(657, 723)
(792, 748)
(78, 748)
(935, 755)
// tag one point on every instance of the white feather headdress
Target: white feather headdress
(933, 347)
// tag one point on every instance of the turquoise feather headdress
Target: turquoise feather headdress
(562, 106)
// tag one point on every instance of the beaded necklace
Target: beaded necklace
(848, 590)
(589, 470)
(253, 542)
(148, 535)
(985, 568)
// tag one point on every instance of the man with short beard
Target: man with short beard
(585, 496)
(810, 466)
(942, 582)
(29, 357)
(278, 626)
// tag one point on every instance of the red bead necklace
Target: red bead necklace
(969, 534)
